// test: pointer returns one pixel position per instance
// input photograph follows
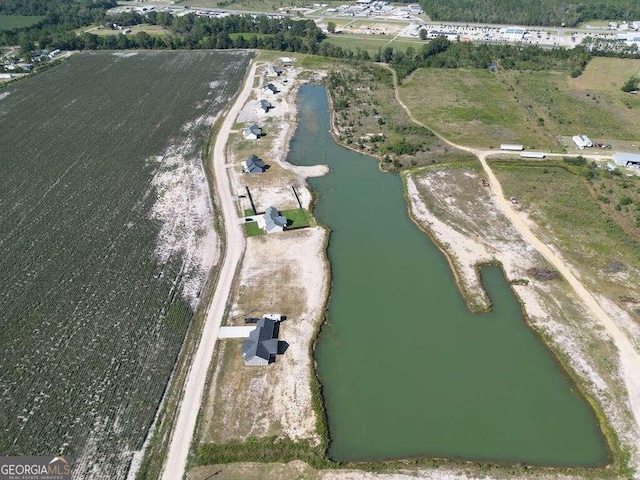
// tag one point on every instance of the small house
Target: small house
(263, 106)
(272, 221)
(262, 345)
(270, 89)
(274, 71)
(252, 132)
(254, 165)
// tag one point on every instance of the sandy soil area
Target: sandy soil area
(196, 379)
(283, 273)
(465, 219)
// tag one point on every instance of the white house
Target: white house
(272, 221)
(263, 106)
(252, 132)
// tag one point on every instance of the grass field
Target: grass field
(372, 43)
(104, 212)
(477, 107)
(587, 105)
(595, 225)
(368, 118)
(471, 107)
(8, 22)
(297, 218)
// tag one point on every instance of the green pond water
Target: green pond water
(406, 369)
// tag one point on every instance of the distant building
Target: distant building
(582, 141)
(415, 9)
(513, 34)
(262, 345)
(630, 38)
(514, 147)
(270, 89)
(252, 132)
(254, 165)
(449, 35)
(287, 61)
(625, 159)
(263, 106)
(272, 221)
(539, 155)
(274, 71)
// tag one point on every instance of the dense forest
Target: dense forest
(532, 12)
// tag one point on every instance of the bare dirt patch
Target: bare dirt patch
(283, 273)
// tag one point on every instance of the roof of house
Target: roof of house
(252, 129)
(254, 164)
(272, 218)
(264, 104)
(271, 86)
(261, 342)
(276, 69)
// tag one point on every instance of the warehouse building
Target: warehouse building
(512, 34)
(624, 159)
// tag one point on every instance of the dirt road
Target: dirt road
(629, 357)
(194, 387)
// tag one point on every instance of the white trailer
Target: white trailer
(514, 147)
(532, 155)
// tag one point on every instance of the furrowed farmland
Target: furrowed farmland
(106, 241)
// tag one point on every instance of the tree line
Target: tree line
(63, 17)
(441, 53)
(531, 12)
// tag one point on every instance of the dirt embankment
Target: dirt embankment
(285, 273)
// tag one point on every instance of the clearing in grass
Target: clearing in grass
(484, 109)
(471, 107)
(9, 22)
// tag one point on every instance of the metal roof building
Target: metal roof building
(625, 159)
(262, 345)
(582, 141)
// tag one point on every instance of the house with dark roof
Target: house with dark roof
(263, 106)
(274, 71)
(252, 132)
(254, 165)
(270, 89)
(272, 221)
(262, 345)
